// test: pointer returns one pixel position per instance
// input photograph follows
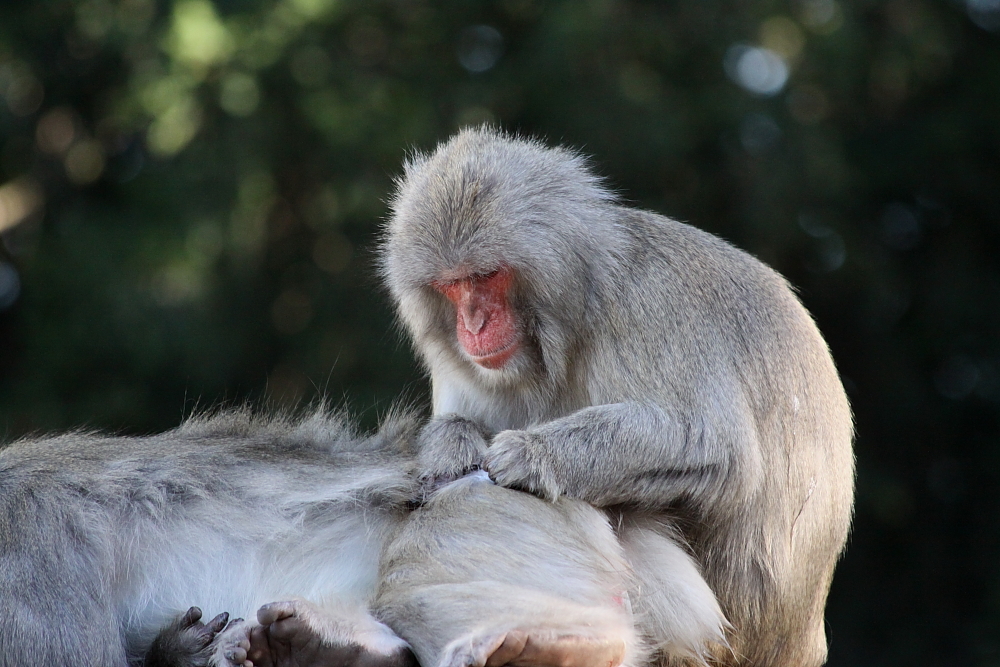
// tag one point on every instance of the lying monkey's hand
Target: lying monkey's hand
(448, 447)
(522, 460)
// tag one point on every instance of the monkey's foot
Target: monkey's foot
(291, 634)
(186, 642)
(231, 645)
(535, 648)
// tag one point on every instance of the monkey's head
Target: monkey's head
(491, 253)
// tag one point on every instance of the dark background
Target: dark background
(189, 194)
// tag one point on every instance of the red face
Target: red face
(484, 319)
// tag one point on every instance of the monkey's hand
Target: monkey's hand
(521, 460)
(448, 447)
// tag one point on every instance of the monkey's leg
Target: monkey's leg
(187, 642)
(482, 576)
(676, 611)
(297, 633)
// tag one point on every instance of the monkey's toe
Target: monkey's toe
(231, 645)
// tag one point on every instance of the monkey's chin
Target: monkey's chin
(496, 359)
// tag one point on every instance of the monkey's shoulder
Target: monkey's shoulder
(684, 246)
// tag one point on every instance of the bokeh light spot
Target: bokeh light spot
(829, 252)
(479, 48)
(239, 94)
(314, 9)
(900, 227)
(56, 131)
(19, 199)
(95, 18)
(24, 92)
(783, 36)
(174, 128)
(197, 35)
(821, 16)
(10, 285)
(984, 13)
(758, 70)
(84, 162)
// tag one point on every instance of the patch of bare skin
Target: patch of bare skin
(530, 648)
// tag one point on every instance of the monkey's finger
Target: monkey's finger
(287, 629)
(236, 655)
(511, 647)
(275, 611)
(191, 616)
(260, 651)
(233, 622)
(216, 625)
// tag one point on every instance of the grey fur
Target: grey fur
(105, 540)
(665, 370)
(545, 569)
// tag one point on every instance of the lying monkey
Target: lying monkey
(104, 541)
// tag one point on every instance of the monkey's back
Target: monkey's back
(103, 539)
(732, 340)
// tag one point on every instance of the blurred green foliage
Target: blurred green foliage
(190, 191)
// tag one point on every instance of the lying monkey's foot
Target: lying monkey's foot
(186, 642)
(535, 648)
(231, 645)
(297, 634)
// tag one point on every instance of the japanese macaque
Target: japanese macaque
(304, 529)
(580, 348)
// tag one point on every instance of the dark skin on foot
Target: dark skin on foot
(186, 641)
(285, 640)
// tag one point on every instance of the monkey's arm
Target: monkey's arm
(624, 453)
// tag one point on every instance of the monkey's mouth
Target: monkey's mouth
(495, 359)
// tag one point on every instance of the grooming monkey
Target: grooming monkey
(579, 348)
(104, 541)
